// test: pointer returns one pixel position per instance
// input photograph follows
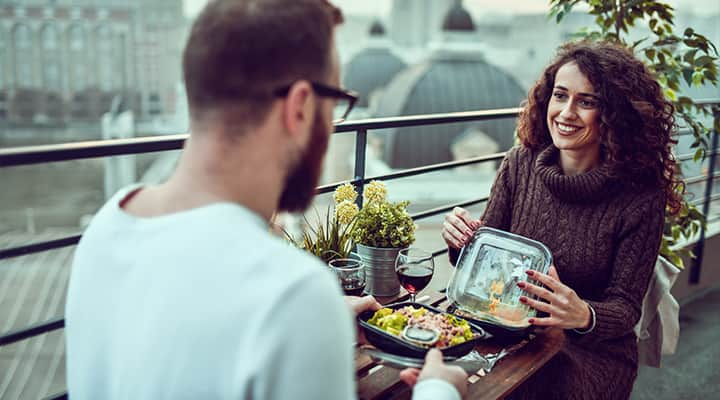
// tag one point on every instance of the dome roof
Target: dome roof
(458, 19)
(371, 69)
(377, 28)
(440, 85)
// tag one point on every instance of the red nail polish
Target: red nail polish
(530, 272)
(523, 299)
(531, 320)
(521, 285)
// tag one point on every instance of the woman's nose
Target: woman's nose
(568, 111)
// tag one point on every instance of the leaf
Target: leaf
(698, 155)
(650, 54)
(703, 61)
(637, 42)
(687, 75)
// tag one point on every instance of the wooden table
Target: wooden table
(380, 382)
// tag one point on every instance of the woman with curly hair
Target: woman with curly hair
(591, 179)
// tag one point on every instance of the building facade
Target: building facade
(66, 60)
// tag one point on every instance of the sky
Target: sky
(476, 7)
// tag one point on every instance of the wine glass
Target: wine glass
(414, 268)
(351, 274)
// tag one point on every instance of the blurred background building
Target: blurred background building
(63, 62)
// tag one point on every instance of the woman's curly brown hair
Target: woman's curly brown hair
(636, 122)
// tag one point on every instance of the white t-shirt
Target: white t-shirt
(205, 304)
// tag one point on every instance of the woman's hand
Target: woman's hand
(459, 227)
(566, 310)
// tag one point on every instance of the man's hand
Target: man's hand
(358, 305)
(435, 368)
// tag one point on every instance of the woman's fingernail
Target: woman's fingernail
(530, 272)
(523, 299)
(521, 285)
(531, 320)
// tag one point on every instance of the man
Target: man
(178, 290)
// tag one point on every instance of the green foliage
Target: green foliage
(672, 58)
(333, 238)
(327, 241)
(384, 224)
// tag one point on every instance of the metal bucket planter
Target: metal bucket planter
(380, 270)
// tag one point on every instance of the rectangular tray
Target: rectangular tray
(395, 345)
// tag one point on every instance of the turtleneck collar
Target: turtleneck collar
(589, 186)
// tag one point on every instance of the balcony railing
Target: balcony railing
(93, 149)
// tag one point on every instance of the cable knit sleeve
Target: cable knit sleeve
(499, 208)
(637, 250)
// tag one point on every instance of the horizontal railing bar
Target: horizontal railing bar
(714, 219)
(33, 330)
(40, 246)
(712, 198)
(332, 186)
(707, 102)
(437, 167)
(440, 210)
(426, 119)
(687, 157)
(57, 396)
(700, 178)
(26, 155)
(415, 171)
(439, 252)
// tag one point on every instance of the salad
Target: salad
(452, 330)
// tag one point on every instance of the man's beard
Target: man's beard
(301, 182)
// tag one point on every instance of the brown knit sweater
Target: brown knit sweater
(604, 235)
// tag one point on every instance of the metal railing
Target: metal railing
(92, 149)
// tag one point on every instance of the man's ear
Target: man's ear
(299, 109)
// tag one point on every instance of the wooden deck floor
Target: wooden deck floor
(32, 290)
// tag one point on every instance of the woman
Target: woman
(591, 179)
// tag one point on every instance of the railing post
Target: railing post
(360, 147)
(700, 246)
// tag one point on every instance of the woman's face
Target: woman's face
(573, 115)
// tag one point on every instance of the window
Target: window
(22, 38)
(51, 58)
(106, 58)
(49, 37)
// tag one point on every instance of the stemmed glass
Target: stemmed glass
(351, 274)
(414, 268)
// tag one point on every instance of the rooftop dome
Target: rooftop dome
(455, 77)
(458, 19)
(373, 67)
(377, 29)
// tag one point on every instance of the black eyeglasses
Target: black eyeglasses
(346, 99)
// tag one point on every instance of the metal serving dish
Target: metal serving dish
(483, 287)
(390, 343)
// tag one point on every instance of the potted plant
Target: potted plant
(380, 230)
(330, 239)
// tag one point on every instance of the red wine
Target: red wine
(353, 290)
(414, 278)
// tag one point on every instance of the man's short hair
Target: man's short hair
(240, 51)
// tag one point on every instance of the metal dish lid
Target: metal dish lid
(484, 282)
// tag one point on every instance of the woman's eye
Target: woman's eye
(588, 103)
(559, 95)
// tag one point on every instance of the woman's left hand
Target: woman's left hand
(566, 310)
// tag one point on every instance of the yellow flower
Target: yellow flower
(375, 191)
(346, 211)
(345, 192)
